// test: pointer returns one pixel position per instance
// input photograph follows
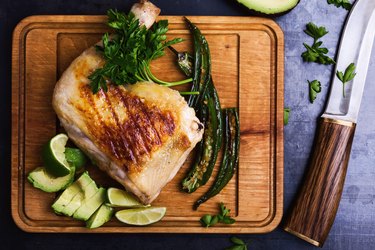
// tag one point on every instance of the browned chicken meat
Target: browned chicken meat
(139, 134)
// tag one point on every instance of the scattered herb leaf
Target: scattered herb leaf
(315, 31)
(286, 115)
(224, 216)
(347, 76)
(237, 241)
(341, 3)
(129, 51)
(237, 247)
(316, 53)
(238, 244)
(314, 89)
(208, 220)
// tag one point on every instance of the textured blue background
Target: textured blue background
(354, 227)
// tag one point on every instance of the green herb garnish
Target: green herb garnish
(347, 76)
(341, 3)
(238, 244)
(130, 50)
(316, 53)
(314, 89)
(208, 220)
(286, 115)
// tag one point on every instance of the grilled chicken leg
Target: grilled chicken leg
(139, 134)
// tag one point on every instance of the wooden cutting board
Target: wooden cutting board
(247, 68)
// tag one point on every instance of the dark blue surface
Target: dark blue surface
(354, 227)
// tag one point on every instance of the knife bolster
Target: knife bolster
(315, 207)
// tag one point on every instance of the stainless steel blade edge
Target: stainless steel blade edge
(355, 47)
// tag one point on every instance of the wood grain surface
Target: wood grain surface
(247, 67)
(316, 205)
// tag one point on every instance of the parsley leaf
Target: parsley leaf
(316, 53)
(129, 51)
(286, 115)
(315, 31)
(224, 215)
(341, 3)
(347, 76)
(208, 220)
(314, 89)
(238, 244)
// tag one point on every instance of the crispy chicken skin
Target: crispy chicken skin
(139, 134)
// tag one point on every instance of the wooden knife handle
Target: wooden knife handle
(315, 208)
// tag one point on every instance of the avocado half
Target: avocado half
(270, 7)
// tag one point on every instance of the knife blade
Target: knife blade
(314, 209)
(359, 32)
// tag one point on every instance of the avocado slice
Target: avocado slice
(80, 198)
(89, 206)
(101, 216)
(70, 192)
(270, 7)
(41, 179)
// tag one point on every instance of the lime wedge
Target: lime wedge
(75, 157)
(54, 157)
(141, 216)
(120, 198)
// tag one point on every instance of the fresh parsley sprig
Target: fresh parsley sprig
(347, 76)
(315, 31)
(314, 89)
(238, 244)
(130, 50)
(316, 53)
(208, 220)
(341, 3)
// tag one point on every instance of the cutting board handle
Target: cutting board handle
(315, 208)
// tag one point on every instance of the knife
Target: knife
(316, 204)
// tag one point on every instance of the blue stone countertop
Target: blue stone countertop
(354, 227)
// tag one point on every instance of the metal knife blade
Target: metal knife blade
(355, 47)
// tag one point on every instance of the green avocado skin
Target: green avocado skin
(80, 198)
(42, 180)
(101, 216)
(270, 8)
(66, 197)
(89, 206)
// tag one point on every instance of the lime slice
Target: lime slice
(54, 157)
(141, 216)
(75, 157)
(120, 198)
